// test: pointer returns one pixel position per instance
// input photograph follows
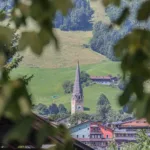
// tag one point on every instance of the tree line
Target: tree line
(105, 37)
(104, 112)
(77, 18)
(53, 109)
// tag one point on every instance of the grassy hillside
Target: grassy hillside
(47, 83)
(54, 67)
(71, 50)
(71, 46)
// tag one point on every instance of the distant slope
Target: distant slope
(47, 82)
(53, 68)
(71, 44)
(72, 49)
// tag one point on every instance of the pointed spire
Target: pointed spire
(77, 90)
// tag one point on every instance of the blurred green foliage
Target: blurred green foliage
(134, 52)
(15, 100)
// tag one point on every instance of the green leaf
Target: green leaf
(140, 107)
(44, 131)
(131, 43)
(2, 15)
(115, 2)
(125, 97)
(12, 110)
(60, 147)
(15, 107)
(25, 106)
(137, 82)
(122, 17)
(122, 46)
(20, 131)
(144, 11)
(124, 65)
(32, 40)
(6, 35)
(63, 131)
(147, 115)
(63, 6)
(68, 144)
(45, 36)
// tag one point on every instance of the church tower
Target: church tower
(77, 95)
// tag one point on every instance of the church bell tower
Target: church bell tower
(77, 95)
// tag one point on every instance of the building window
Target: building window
(83, 136)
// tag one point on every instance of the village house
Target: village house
(105, 80)
(125, 132)
(93, 134)
(97, 135)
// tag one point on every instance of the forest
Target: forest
(77, 19)
(105, 37)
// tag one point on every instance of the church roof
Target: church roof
(77, 89)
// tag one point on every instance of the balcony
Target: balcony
(126, 138)
(93, 139)
(95, 132)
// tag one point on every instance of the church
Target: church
(77, 102)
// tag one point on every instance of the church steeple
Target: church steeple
(77, 89)
(77, 95)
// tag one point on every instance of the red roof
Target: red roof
(101, 77)
(106, 131)
(136, 123)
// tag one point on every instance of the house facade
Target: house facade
(125, 132)
(93, 134)
(98, 136)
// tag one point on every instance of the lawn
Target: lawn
(46, 86)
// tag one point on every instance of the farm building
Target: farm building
(105, 80)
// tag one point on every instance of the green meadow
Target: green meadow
(46, 86)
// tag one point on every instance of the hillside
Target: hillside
(54, 67)
(71, 44)
(72, 49)
(47, 83)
